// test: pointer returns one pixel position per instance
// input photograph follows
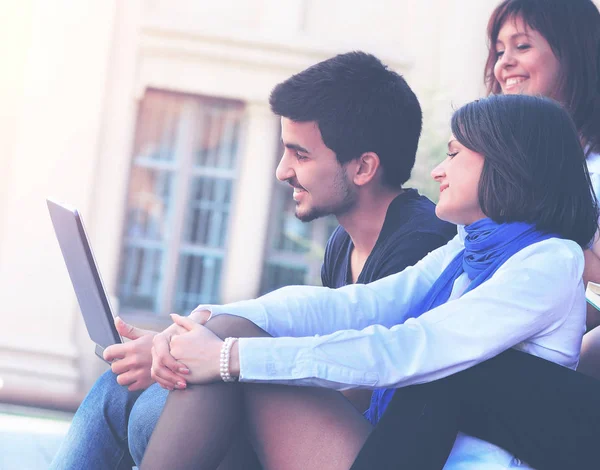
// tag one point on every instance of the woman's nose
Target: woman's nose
(438, 172)
(507, 59)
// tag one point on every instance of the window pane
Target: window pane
(148, 205)
(178, 205)
(208, 205)
(198, 281)
(140, 277)
(276, 276)
(219, 136)
(295, 248)
(291, 234)
(158, 121)
(146, 230)
(208, 212)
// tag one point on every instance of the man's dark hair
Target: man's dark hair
(572, 29)
(534, 168)
(360, 106)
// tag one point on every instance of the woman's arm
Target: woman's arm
(592, 255)
(530, 296)
(589, 362)
(591, 272)
(307, 310)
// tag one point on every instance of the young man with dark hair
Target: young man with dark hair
(350, 128)
(353, 165)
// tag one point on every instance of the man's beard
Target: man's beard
(347, 202)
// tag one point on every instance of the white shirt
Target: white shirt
(359, 335)
(593, 164)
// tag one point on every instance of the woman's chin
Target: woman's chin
(443, 214)
(450, 217)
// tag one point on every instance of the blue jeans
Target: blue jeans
(111, 428)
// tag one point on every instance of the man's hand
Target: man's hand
(131, 361)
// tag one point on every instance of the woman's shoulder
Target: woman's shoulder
(559, 248)
(551, 255)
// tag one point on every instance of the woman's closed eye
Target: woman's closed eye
(451, 154)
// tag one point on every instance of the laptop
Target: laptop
(83, 271)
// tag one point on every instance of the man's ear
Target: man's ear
(366, 168)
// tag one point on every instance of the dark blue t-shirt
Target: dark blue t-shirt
(410, 231)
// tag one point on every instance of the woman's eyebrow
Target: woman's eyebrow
(514, 36)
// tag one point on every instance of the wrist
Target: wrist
(234, 360)
(225, 363)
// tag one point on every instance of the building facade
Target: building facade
(151, 117)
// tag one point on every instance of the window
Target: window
(179, 201)
(295, 249)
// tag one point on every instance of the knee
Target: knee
(143, 419)
(107, 396)
(225, 326)
(104, 408)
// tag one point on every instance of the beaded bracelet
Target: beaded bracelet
(225, 354)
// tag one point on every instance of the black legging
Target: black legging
(544, 414)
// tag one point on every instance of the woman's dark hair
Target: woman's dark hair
(572, 29)
(360, 106)
(534, 168)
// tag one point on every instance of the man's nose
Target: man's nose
(284, 170)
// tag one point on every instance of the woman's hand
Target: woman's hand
(165, 370)
(199, 315)
(199, 349)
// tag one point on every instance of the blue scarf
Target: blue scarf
(487, 246)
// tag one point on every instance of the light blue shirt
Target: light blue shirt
(358, 336)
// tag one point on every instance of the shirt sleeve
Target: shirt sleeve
(529, 296)
(308, 310)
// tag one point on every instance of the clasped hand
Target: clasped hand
(186, 352)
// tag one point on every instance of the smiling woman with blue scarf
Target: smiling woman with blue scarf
(515, 178)
(487, 245)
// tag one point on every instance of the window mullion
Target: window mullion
(188, 125)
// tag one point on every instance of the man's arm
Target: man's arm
(131, 360)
